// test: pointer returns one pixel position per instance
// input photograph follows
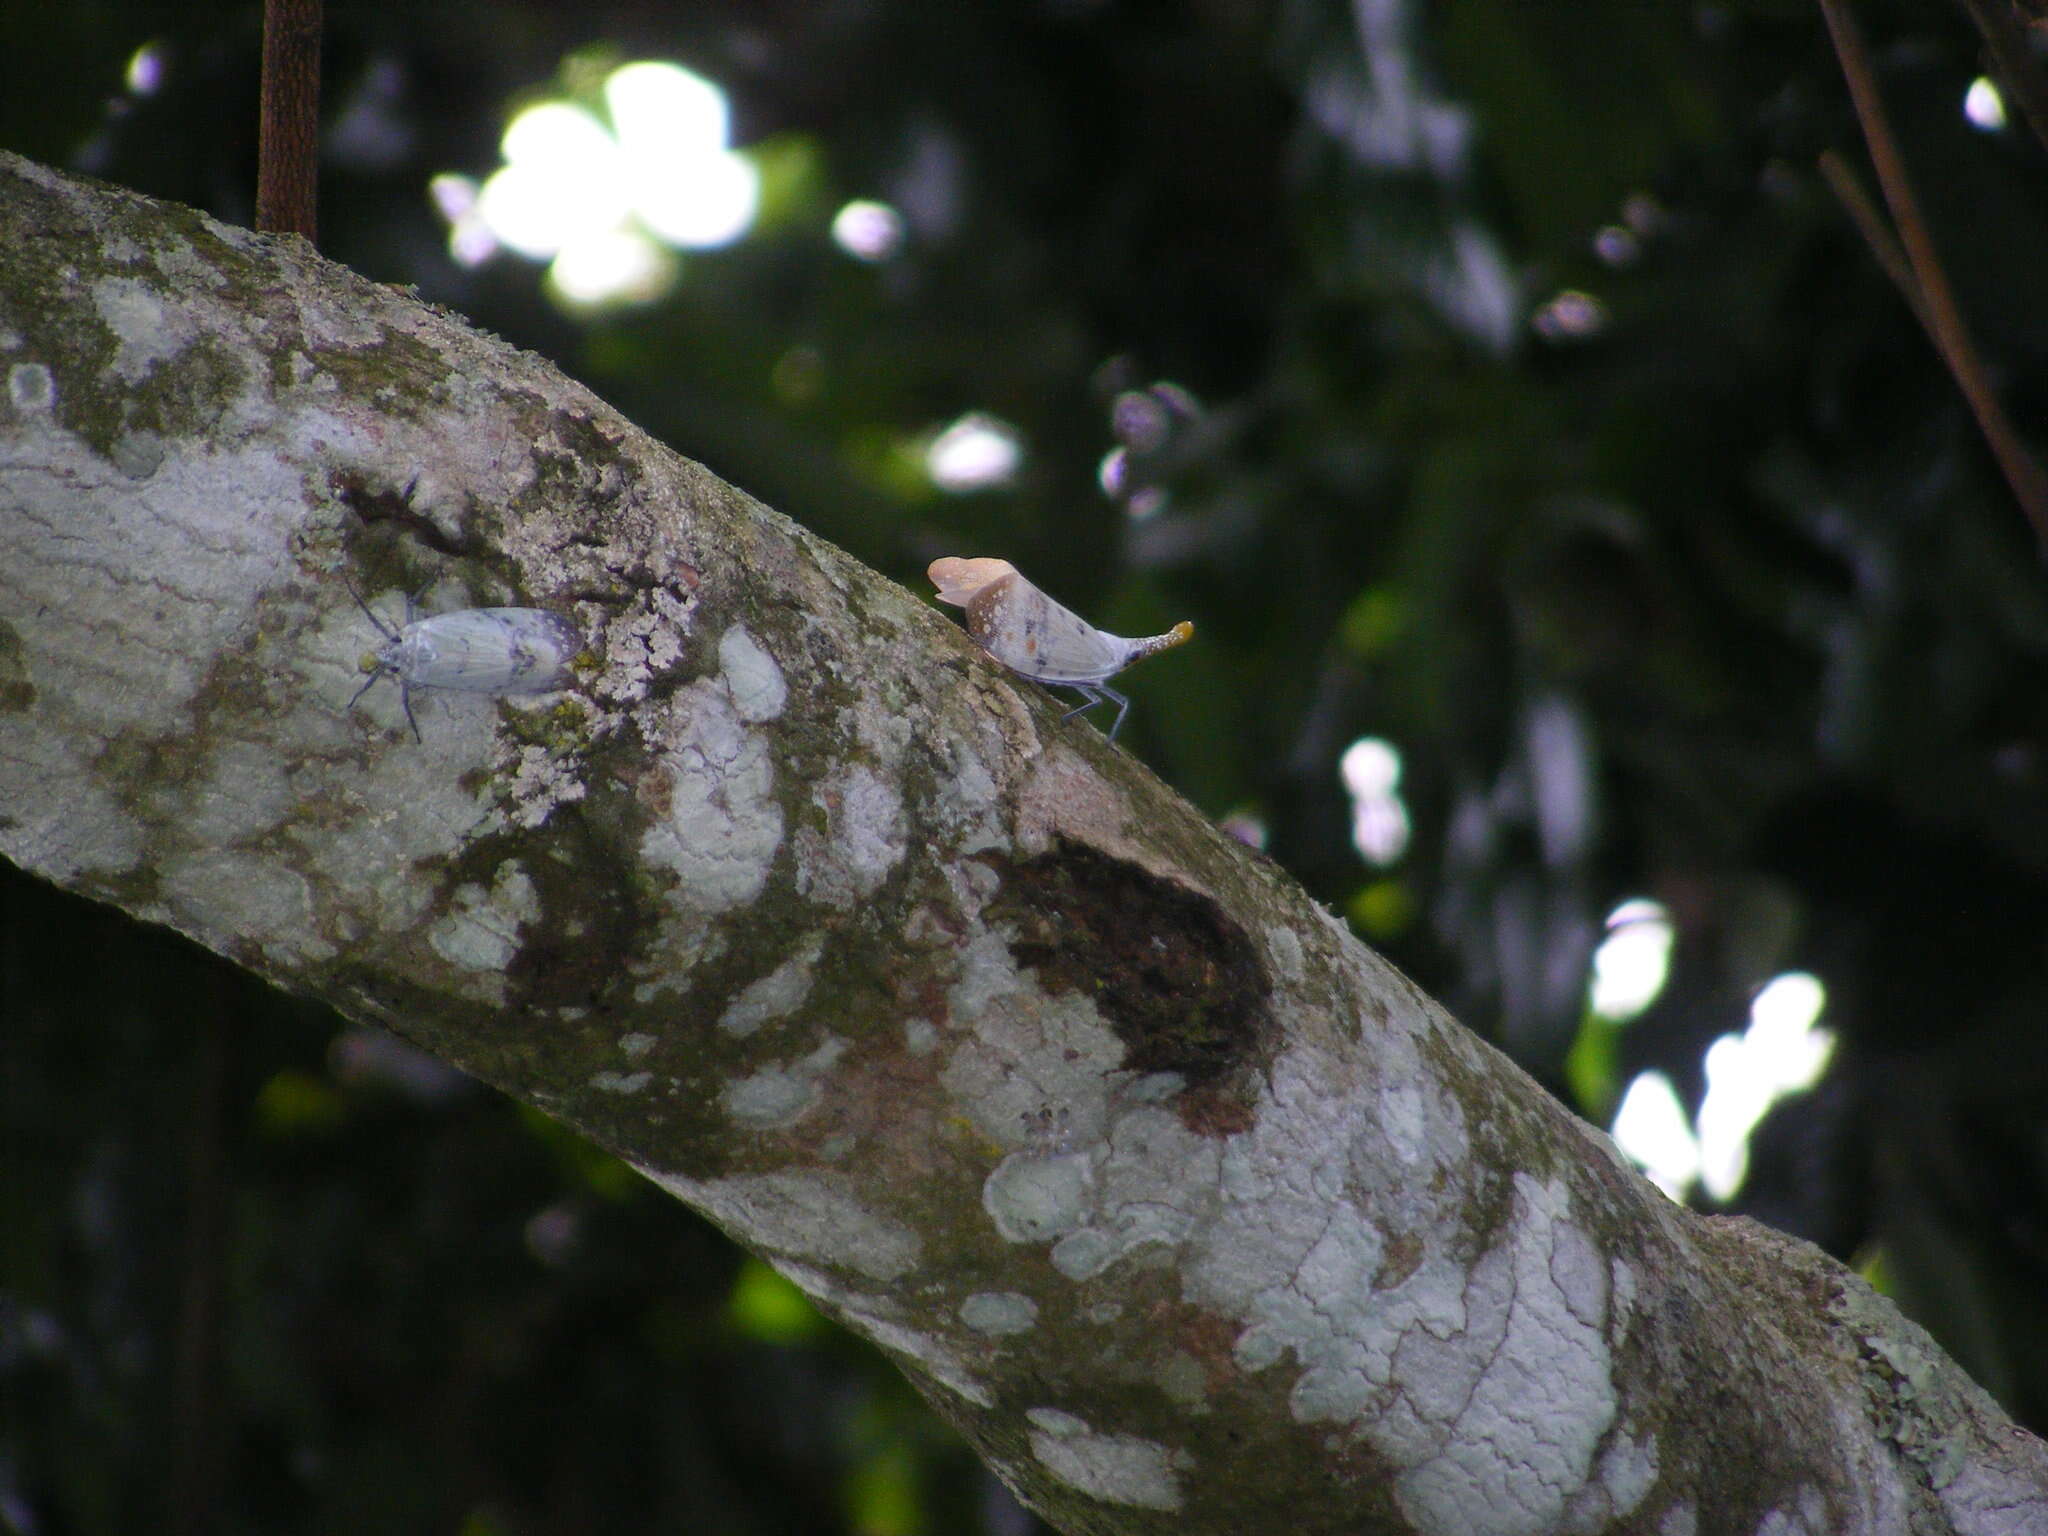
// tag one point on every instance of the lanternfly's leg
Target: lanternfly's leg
(1123, 707)
(1090, 697)
(1093, 694)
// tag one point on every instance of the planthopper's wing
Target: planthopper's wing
(958, 580)
(1038, 638)
(487, 650)
(1030, 633)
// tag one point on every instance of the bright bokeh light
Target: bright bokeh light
(1144, 422)
(453, 195)
(147, 67)
(1781, 1025)
(1782, 1052)
(456, 198)
(660, 109)
(700, 204)
(1141, 419)
(1634, 960)
(1736, 1100)
(563, 177)
(1984, 106)
(1371, 769)
(976, 453)
(868, 231)
(1147, 503)
(1651, 1129)
(1571, 316)
(1474, 286)
(1248, 827)
(1113, 474)
(605, 200)
(1617, 246)
(612, 266)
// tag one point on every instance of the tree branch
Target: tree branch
(1191, 1212)
(1939, 313)
(1870, 224)
(288, 133)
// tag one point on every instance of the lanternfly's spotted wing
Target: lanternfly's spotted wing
(1038, 638)
(473, 650)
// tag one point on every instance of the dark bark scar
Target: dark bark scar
(390, 504)
(1179, 981)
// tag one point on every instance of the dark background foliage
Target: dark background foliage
(1523, 398)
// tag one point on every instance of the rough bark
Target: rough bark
(1190, 1211)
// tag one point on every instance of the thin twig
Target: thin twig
(1939, 312)
(1877, 234)
(288, 137)
(201, 1438)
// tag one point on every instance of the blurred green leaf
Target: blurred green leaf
(294, 1103)
(793, 185)
(1591, 1068)
(883, 1493)
(1372, 622)
(766, 1307)
(1382, 910)
(582, 1159)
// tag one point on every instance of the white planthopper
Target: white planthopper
(472, 650)
(1037, 638)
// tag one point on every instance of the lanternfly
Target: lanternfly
(1037, 638)
(473, 650)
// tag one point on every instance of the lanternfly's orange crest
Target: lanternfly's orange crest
(1037, 638)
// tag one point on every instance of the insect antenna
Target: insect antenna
(373, 664)
(369, 682)
(378, 665)
(371, 614)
